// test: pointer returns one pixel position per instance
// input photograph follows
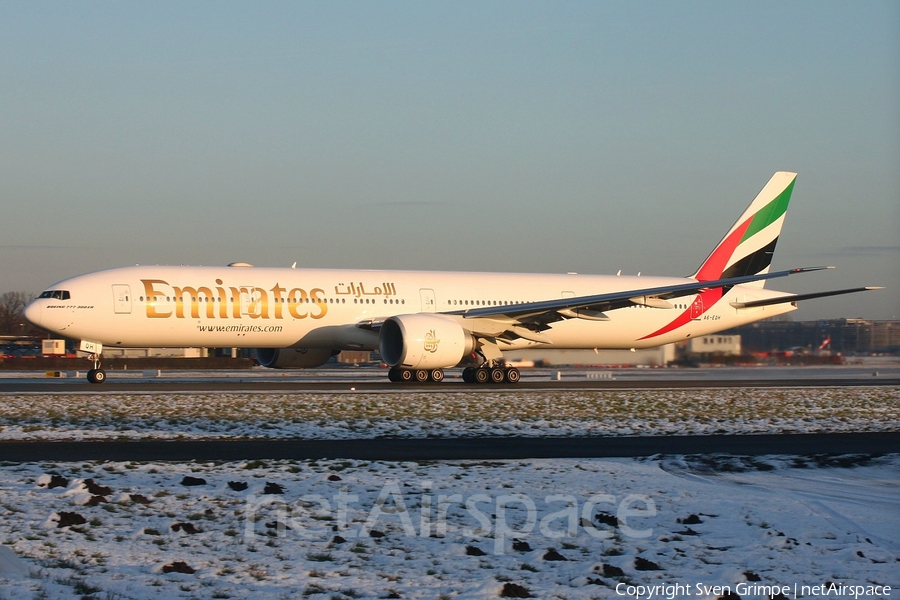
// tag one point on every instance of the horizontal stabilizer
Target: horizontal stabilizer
(798, 297)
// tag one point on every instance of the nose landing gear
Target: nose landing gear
(95, 375)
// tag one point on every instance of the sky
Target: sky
(475, 136)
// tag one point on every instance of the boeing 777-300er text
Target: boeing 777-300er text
(423, 321)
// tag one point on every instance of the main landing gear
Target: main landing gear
(491, 375)
(470, 375)
(398, 375)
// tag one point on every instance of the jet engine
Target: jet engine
(293, 358)
(423, 342)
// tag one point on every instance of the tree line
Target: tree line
(12, 321)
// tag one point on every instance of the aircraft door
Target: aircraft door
(121, 299)
(697, 308)
(428, 303)
(250, 300)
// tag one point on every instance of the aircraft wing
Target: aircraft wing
(528, 320)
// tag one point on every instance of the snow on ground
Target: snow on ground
(598, 528)
(446, 413)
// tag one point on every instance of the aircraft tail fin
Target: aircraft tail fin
(749, 245)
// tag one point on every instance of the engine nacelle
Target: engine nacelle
(423, 342)
(293, 358)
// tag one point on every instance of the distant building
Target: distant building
(840, 336)
(354, 357)
(720, 344)
(53, 347)
(653, 357)
(155, 352)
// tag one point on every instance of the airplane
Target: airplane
(423, 322)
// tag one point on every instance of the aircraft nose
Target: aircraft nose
(32, 313)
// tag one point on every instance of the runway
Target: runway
(444, 446)
(375, 380)
(284, 387)
(430, 449)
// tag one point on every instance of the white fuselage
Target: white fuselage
(249, 307)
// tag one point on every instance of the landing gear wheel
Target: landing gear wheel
(436, 375)
(421, 375)
(469, 375)
(513, 375)
(405, 375)
(96, 376)
(482, 375)
(497, 375)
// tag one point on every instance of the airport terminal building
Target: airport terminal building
(840, 336)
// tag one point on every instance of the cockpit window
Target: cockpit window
(55, 294)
